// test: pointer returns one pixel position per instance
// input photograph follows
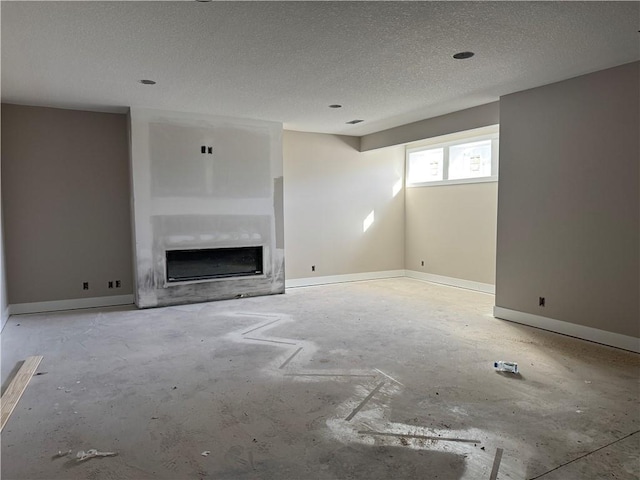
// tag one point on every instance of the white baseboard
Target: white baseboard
(454, 282)
(625, 342)
(351, 277)
(72, 304)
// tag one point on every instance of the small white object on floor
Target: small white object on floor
(509, 367)
(82, 455)
(205, 453)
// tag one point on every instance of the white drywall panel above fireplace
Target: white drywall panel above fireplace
(186, 199)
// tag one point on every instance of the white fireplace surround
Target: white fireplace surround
(186, 199)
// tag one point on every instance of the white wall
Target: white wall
(330, 188)
(452, 228)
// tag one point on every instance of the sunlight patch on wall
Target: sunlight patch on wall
(368, 221)
(397, 187)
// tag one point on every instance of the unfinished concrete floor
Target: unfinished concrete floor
(368, 380)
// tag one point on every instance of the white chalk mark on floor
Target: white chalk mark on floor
(364, 421)
(388, 376)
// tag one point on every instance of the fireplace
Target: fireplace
(211, 263)
(208, 207)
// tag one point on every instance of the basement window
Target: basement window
(469, 158)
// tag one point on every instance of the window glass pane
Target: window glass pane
(470, 160)
(426, 165)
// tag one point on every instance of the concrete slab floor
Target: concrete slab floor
(369, 380)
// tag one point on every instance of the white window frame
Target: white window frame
(460, 139)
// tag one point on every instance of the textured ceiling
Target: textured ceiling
(388, 63)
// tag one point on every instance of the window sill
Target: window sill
(462, 181)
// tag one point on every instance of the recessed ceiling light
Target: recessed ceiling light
(335, 105)
(353, 122)
(147, 82)
(463, 55)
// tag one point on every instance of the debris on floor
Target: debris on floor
(82, 455)
(502, 366)
(206, 453)
(62, 454)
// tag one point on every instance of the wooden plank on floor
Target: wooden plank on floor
(17, 387)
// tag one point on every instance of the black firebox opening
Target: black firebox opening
(208, 263)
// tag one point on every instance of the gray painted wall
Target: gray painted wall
(184, 199)
(330, 188)
(65, 189)
(467, 119)
(568, 204)
(4, 313)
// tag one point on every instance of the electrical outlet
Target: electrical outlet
(118, 284)
(541, 301)
(203, 149)
(85, 285)
(313, 268)
(210, 150)
(110, 284)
